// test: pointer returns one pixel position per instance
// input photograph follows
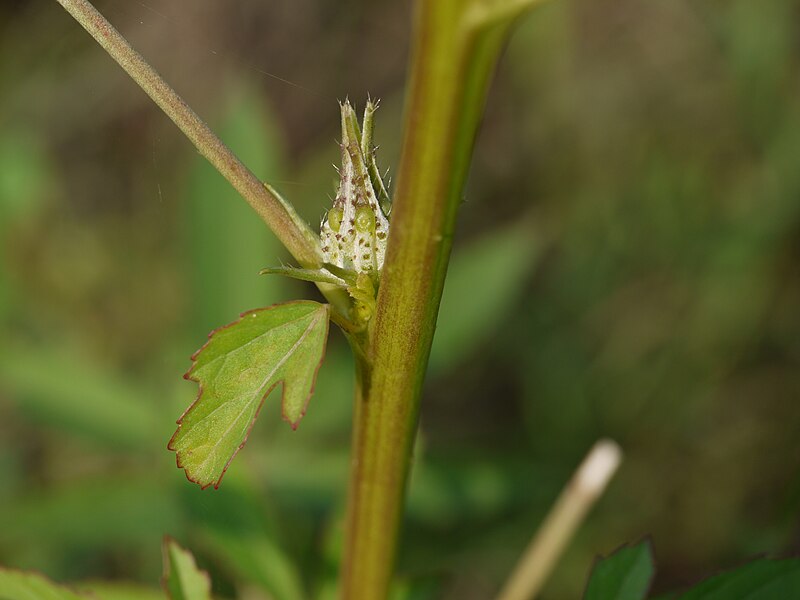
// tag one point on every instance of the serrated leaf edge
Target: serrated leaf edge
(189, 377)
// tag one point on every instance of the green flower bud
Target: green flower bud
(335, 219)
(356, 229)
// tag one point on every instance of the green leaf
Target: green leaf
(625, 575)
(16, 585)
(484, 281)
(236, 370)
(182, 579)
(228, 243)
(318, 275)
(258, 559)
(54, 384)
(26, 176)
(126, 509)
(762, 579)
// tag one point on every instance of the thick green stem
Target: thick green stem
(452, 61)
(279, 215)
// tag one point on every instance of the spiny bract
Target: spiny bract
(353, 233)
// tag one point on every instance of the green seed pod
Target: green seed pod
(335, 218)
(365, 219)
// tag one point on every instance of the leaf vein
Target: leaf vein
(261, 388)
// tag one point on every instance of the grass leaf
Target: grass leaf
(236, 370)
(484, 281)
(228, 244)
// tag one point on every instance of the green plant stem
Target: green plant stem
(451, 64)
(484, 13)
(278, 214)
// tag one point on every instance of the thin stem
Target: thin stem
(585, 487)
(278, 214)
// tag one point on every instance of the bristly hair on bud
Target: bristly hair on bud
(354, 232)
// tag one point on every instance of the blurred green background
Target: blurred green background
(627, 265)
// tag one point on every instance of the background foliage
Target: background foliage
(626, 265)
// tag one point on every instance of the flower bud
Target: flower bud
(355, 230)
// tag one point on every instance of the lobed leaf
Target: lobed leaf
(183, 580)
(625, 575)
(236, 370)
